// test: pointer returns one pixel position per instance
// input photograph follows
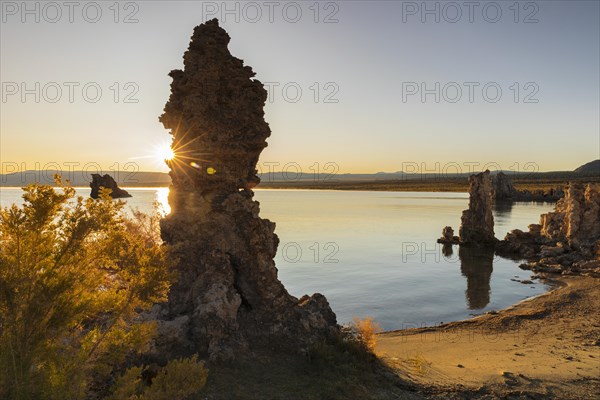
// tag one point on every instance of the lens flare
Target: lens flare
(165, 152)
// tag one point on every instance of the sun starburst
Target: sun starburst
(164, 152)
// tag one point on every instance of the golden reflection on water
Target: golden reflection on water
(162, 197)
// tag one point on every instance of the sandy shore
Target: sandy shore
(546, 347)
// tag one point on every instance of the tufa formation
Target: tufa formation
(106, 181)
(477, 223)
(227, 300)
(503, 188)
(576, 218)
(567, 240)
(448, 237)
(504, 191)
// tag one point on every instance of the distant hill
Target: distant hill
(161, 179)
(83, 178)
(591, 167)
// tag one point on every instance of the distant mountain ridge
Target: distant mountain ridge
(162, 179)
(83, 178)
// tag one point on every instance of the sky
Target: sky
(354, 86)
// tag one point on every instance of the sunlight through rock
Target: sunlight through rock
(228, 296)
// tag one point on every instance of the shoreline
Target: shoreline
(425, 184)
(431, 328)
(553, 282)
(547, 345)
(425, 189)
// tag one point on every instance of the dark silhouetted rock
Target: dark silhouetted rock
(504, 191)
(448, 236)
(477, 223)
(106, 181)
(503, 188)
(228, 297)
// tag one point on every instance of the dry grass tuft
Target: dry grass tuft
(365, 330)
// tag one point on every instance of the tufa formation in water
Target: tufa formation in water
(477, 223)
(503, 188)
(106, 181)
(448, 237)
(504, 191)
(227, 299)
(576, 218)
(567, 240)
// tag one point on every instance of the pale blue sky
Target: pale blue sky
(369, 55)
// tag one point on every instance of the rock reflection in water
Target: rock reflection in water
(503, 208)
(476, 264)
(447, 250)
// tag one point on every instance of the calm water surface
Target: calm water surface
(375, 253)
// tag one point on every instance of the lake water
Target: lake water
(375, 253)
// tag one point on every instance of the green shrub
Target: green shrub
(179, 379)
(74, 274)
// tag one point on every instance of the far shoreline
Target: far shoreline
(405, 185)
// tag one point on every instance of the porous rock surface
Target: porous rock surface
(567, 240)
(576, 218)
(477, 222)
(227, 299)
